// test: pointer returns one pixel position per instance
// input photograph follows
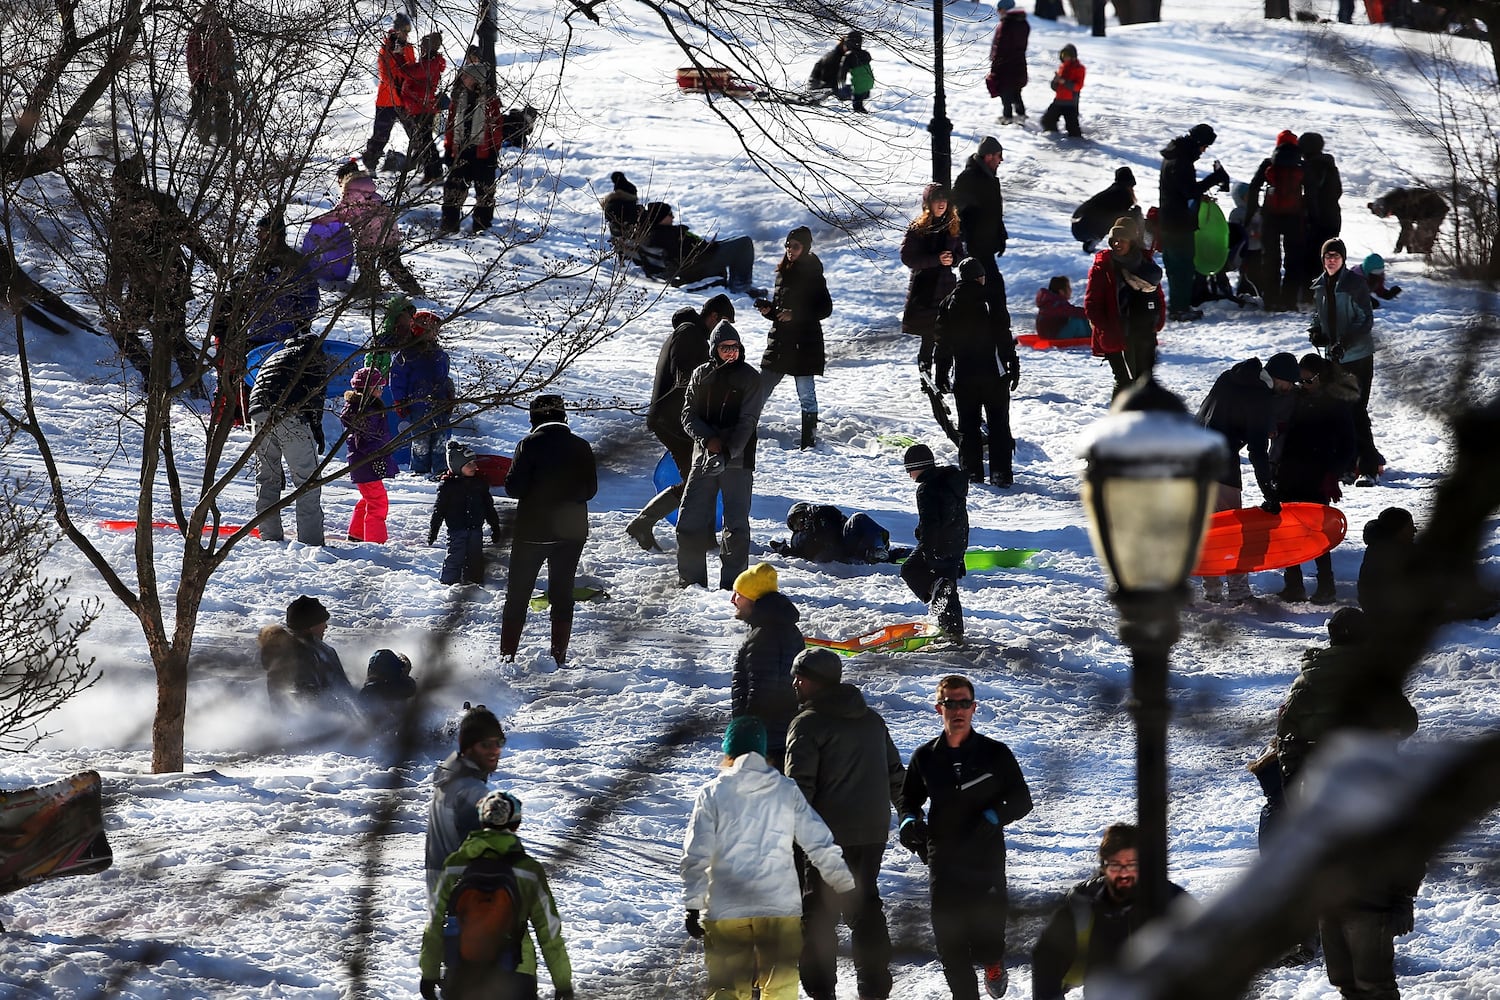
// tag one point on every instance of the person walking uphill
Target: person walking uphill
(931, 248)
(1179, 192)
(1007, 76)
(1125, 305)
(720, 412)
(1067, 84)
(464, 504)
(477, 939)
(739, 870)
(1341, 331)
(554, 477)
(458, 783)
(759, 684)
(972, 787)
(934, 567)
(980, 205)
(840, 754)
(797, 308)
(982, 354)
(286, 411)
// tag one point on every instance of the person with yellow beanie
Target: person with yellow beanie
(761, 684)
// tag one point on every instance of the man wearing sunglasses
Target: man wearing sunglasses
(1088, 932)
(971, 786)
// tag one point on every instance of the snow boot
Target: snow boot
(484, 217)
(1325, 592)
(1294, 590)
(1239, 588)
(449, 222)
(809, 426)
(658, 507)
(1213, 589)
(947, 610)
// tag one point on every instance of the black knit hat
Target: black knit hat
(822, 665)
(305, 613)
(1124, 175)
(548, 409)
(478, 724)
(1335, 245)
(989, 144)
(721, 306)
(917, 457)
(1348, 625)
(1203, 134)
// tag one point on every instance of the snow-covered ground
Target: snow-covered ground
(243, 877)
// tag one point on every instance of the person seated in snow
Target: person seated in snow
(1093, 219)
(303, 671)
(1057, 318)
(458, 784)
(388, 688)
(624, 214)
(688, 258)
(1385, 585)
(822, 533)
(1373, 269)
(511, 974)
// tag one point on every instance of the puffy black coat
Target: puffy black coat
(1093, 219)
(1179, 187)
(292, 380)
(1321, 185)
(684, 350)
(762, 681)
(840, 754)
(961, 783)
(464, 504)
(931, 282)
(1088, 914)
(1245, 410)
(795, 347)
(943, 518)
(1318, 444)
(980, 205)
(969, 340)
(553, 476)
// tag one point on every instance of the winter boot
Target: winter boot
(484, 217)
(449, 221)
(658, 507)
(1325, 592)
(1213, 589)
(1239, 588)
(1293, 591)
(947, 609)
(809, 426)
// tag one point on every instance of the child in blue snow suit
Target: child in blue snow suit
(464, 504)
(422, 390)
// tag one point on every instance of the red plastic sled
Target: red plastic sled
(1250, 540)
(494, 468)
(1040, 343)
(224, 529)
(712, 80)
(52, 831)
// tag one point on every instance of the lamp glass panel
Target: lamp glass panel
(1151, 530)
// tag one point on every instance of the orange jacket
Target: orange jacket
(394, 54)
(1068, 80)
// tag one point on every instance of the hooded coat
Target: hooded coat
(1243, 408)
(761, 684)
(1321, 186)
(1318, 444)
(369, 427)
(1115, 309)
(302, 671)
(1008, 51)
(737, 858)
(795, 347)
(684, 350)
(969, 339)
(1093, 219)
(723, 400)
(457, 786)
(980, 205)
(840, 754)
(1179, 188)
(943, 518)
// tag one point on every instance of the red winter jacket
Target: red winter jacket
(1053, 311)
(1101, 302)
(479, 134)
(419, 84)
(394, 54)
(1068, 80)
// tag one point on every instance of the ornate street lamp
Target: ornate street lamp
(940, 127)
(1149, 480)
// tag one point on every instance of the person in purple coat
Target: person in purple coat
(1007, 74)
(422, 390)
(364, 417)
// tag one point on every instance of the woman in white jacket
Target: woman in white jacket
(737, 864)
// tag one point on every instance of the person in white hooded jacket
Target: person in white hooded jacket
(738, 866)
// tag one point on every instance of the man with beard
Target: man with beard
(1088, 932)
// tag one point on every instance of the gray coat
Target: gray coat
(457, 786)
(841, 755)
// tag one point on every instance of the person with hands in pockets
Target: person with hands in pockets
(972, 787)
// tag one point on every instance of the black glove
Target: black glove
(1000, 246)
(428, 989)
(1395, 290)
(1403, 919)
(1317, 337)
(1336, 353)
(1013, 373)
(495, 537)
(317, 433)
(1271, 505)
(913, 836)
(691, 925)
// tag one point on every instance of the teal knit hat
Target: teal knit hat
(1374, 264)
(745, 734)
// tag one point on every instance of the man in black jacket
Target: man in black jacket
(1087, 933)
(683, 351)
(1179, 193)
(720, 412)
(976, 343)
(759, 684)
(974, 787)
(554, 477)
(1095, 217)
(286, 412)
(840, 754)
(980, 205)
(935, 565)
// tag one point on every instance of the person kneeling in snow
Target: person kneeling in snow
(477, 943)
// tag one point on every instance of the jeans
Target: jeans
(807, 389)
(287, 438)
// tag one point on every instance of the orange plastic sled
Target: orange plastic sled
(1040, 343)
(900, 637)
(1250, 540)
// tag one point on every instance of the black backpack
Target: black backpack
(486, 919)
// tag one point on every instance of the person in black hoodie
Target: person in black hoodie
(553, 477)
(761, 685)
(1283, 224)
(684, 350)
(1179, 193)
(840, 754)
(1322, 187)
(934, 567)
(464, 504)
(977, 345)
(1095, 217)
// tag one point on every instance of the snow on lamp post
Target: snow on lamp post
(1150, 475)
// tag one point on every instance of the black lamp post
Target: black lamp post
(1149, 483)
(940, 127)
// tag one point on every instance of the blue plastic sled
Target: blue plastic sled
(666, 474)
(329, 248)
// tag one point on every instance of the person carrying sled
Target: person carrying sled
(1125, 305)
(720, 412)
(1343, 319)
(976, 344)
(553, 478)
(302, 670)
(459, 782)
(368, 433)
(759, 684)
(933, 569)
(395, 52)
(1097, 918)
(739, 869)
(821, 533)
(464, 504)
(1067, 84)
(1283, 224)
(471, 143)
(1007, 76)
(1094, 218)
(1057, 317)
(422, 390)
(477, 945)
(794, 346)
(1179, 192)
(972, 788)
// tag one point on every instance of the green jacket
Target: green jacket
(536, 897)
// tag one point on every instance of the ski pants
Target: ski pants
(1359, 950)
(735, 256)
(470, 170)
(465, 559)
(287, 438)
(1067, 111)
(526, 559)
(368, 522)
(982, 401)
(749, 952)
(870, 938)
(1177, 257)
(969, 909)
(695, 525)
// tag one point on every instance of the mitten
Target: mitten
(1403, 917)
(1013, 369)
(1395, 290)
(691, 924)
(432, 538)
